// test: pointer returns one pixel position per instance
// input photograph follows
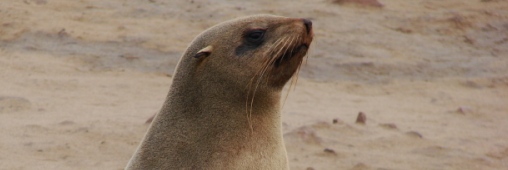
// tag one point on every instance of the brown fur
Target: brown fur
(223, 107)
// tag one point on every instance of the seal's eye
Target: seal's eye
(255, 36)
(251, 39)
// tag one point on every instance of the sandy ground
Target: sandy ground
(78, 79)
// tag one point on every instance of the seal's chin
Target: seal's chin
(297, 51)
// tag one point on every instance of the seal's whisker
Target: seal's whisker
(250, 98)
(247, 105)
(259, 72)
(265, 64)
(273, 57)
(271, 60)
(293, 83)
(283, 50)
(287, 92)
(307, 57)
(286, 49)
(259, 75)
(268, 63)
(297, 71)
(294, 79)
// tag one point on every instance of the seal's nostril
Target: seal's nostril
(308, 24)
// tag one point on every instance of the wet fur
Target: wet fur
(223, 107)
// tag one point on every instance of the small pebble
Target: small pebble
(337, 121)
(361, 118)
(414, 134)
(328, 150)
(463, 110)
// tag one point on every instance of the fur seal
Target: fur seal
(223, 107)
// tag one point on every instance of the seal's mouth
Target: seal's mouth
(291, 53)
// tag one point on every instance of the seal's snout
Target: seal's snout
(308, 25)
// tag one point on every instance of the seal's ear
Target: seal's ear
(205, 52)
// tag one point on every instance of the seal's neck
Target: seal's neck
(204, 125)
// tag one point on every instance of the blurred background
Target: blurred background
(78, 80)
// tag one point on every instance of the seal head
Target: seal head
(223, 107)
(256, 46)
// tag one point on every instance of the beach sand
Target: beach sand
(78, 80)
